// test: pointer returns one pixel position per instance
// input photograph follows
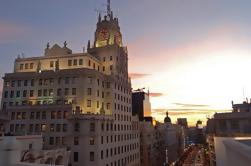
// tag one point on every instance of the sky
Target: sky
(194, 56)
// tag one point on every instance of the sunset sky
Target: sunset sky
(193, 55)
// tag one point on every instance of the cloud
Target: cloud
(191, 105)
(154, 94)
(137, 75)
(12, 31)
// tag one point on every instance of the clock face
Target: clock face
(103, 34)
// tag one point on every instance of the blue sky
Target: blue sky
(194, 48)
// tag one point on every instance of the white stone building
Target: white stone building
(81, 101)
(27, 150)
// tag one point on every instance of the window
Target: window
(111, 67)
(65, 114)
(25, 82)
(6, 94)
(75, 156)
(37, 115)
(18, 94)
(26, 65)
(103, 68)
(91, 140)
(91, 156)
(58, 128)
(57, 140)
(67, 80)
(89, 103)
(21, 66)
(97, 104)
(32, 82)
(32, 115)
(59, 92)
(103, 59)
(80, 62)
(51, 64)
(69, 62)
(89, 63)
(31, 93)
(31, 65)
(44, 115)
(108, 106)
(40, 82)
(110, 58)
(50, 92)
(76, 127)
(66, 91)
(52, 128)
(102, 154)
(64, 127)
(19, 83)
(51, 140)
(12, 83)
(45, 92)
(92, 126)
(24, 93)
(39, 93)
(76, 141)
(59, 115)
(31, 128)
(53, 114)
(11, 94)
(89, 91)
(43, 127)
(74, 91)
(89, 80)
(75, 62)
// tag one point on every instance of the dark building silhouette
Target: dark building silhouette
(141, 104)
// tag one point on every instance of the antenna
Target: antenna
(109, 8)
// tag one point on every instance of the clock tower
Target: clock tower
(108, 30)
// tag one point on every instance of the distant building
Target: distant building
(141, 105)
(182, 122)
(174, 140)
(27, 151)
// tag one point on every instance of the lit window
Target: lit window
(69, 62)
(43, 127)
(75, 62)
(91, 140)
(51, 64)
(89, 103)
(80, 62)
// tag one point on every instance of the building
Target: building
(152, 143)
(229, 125)
(174, 140)
(81, 101)
(141, 105)
(232, 151)
(27, 150)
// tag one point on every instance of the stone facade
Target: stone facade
(81, 101)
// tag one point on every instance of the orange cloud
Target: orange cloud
(191, 105)
(11, 31)
(154, 94)
(137, 75)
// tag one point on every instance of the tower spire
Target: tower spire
(109, 8)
